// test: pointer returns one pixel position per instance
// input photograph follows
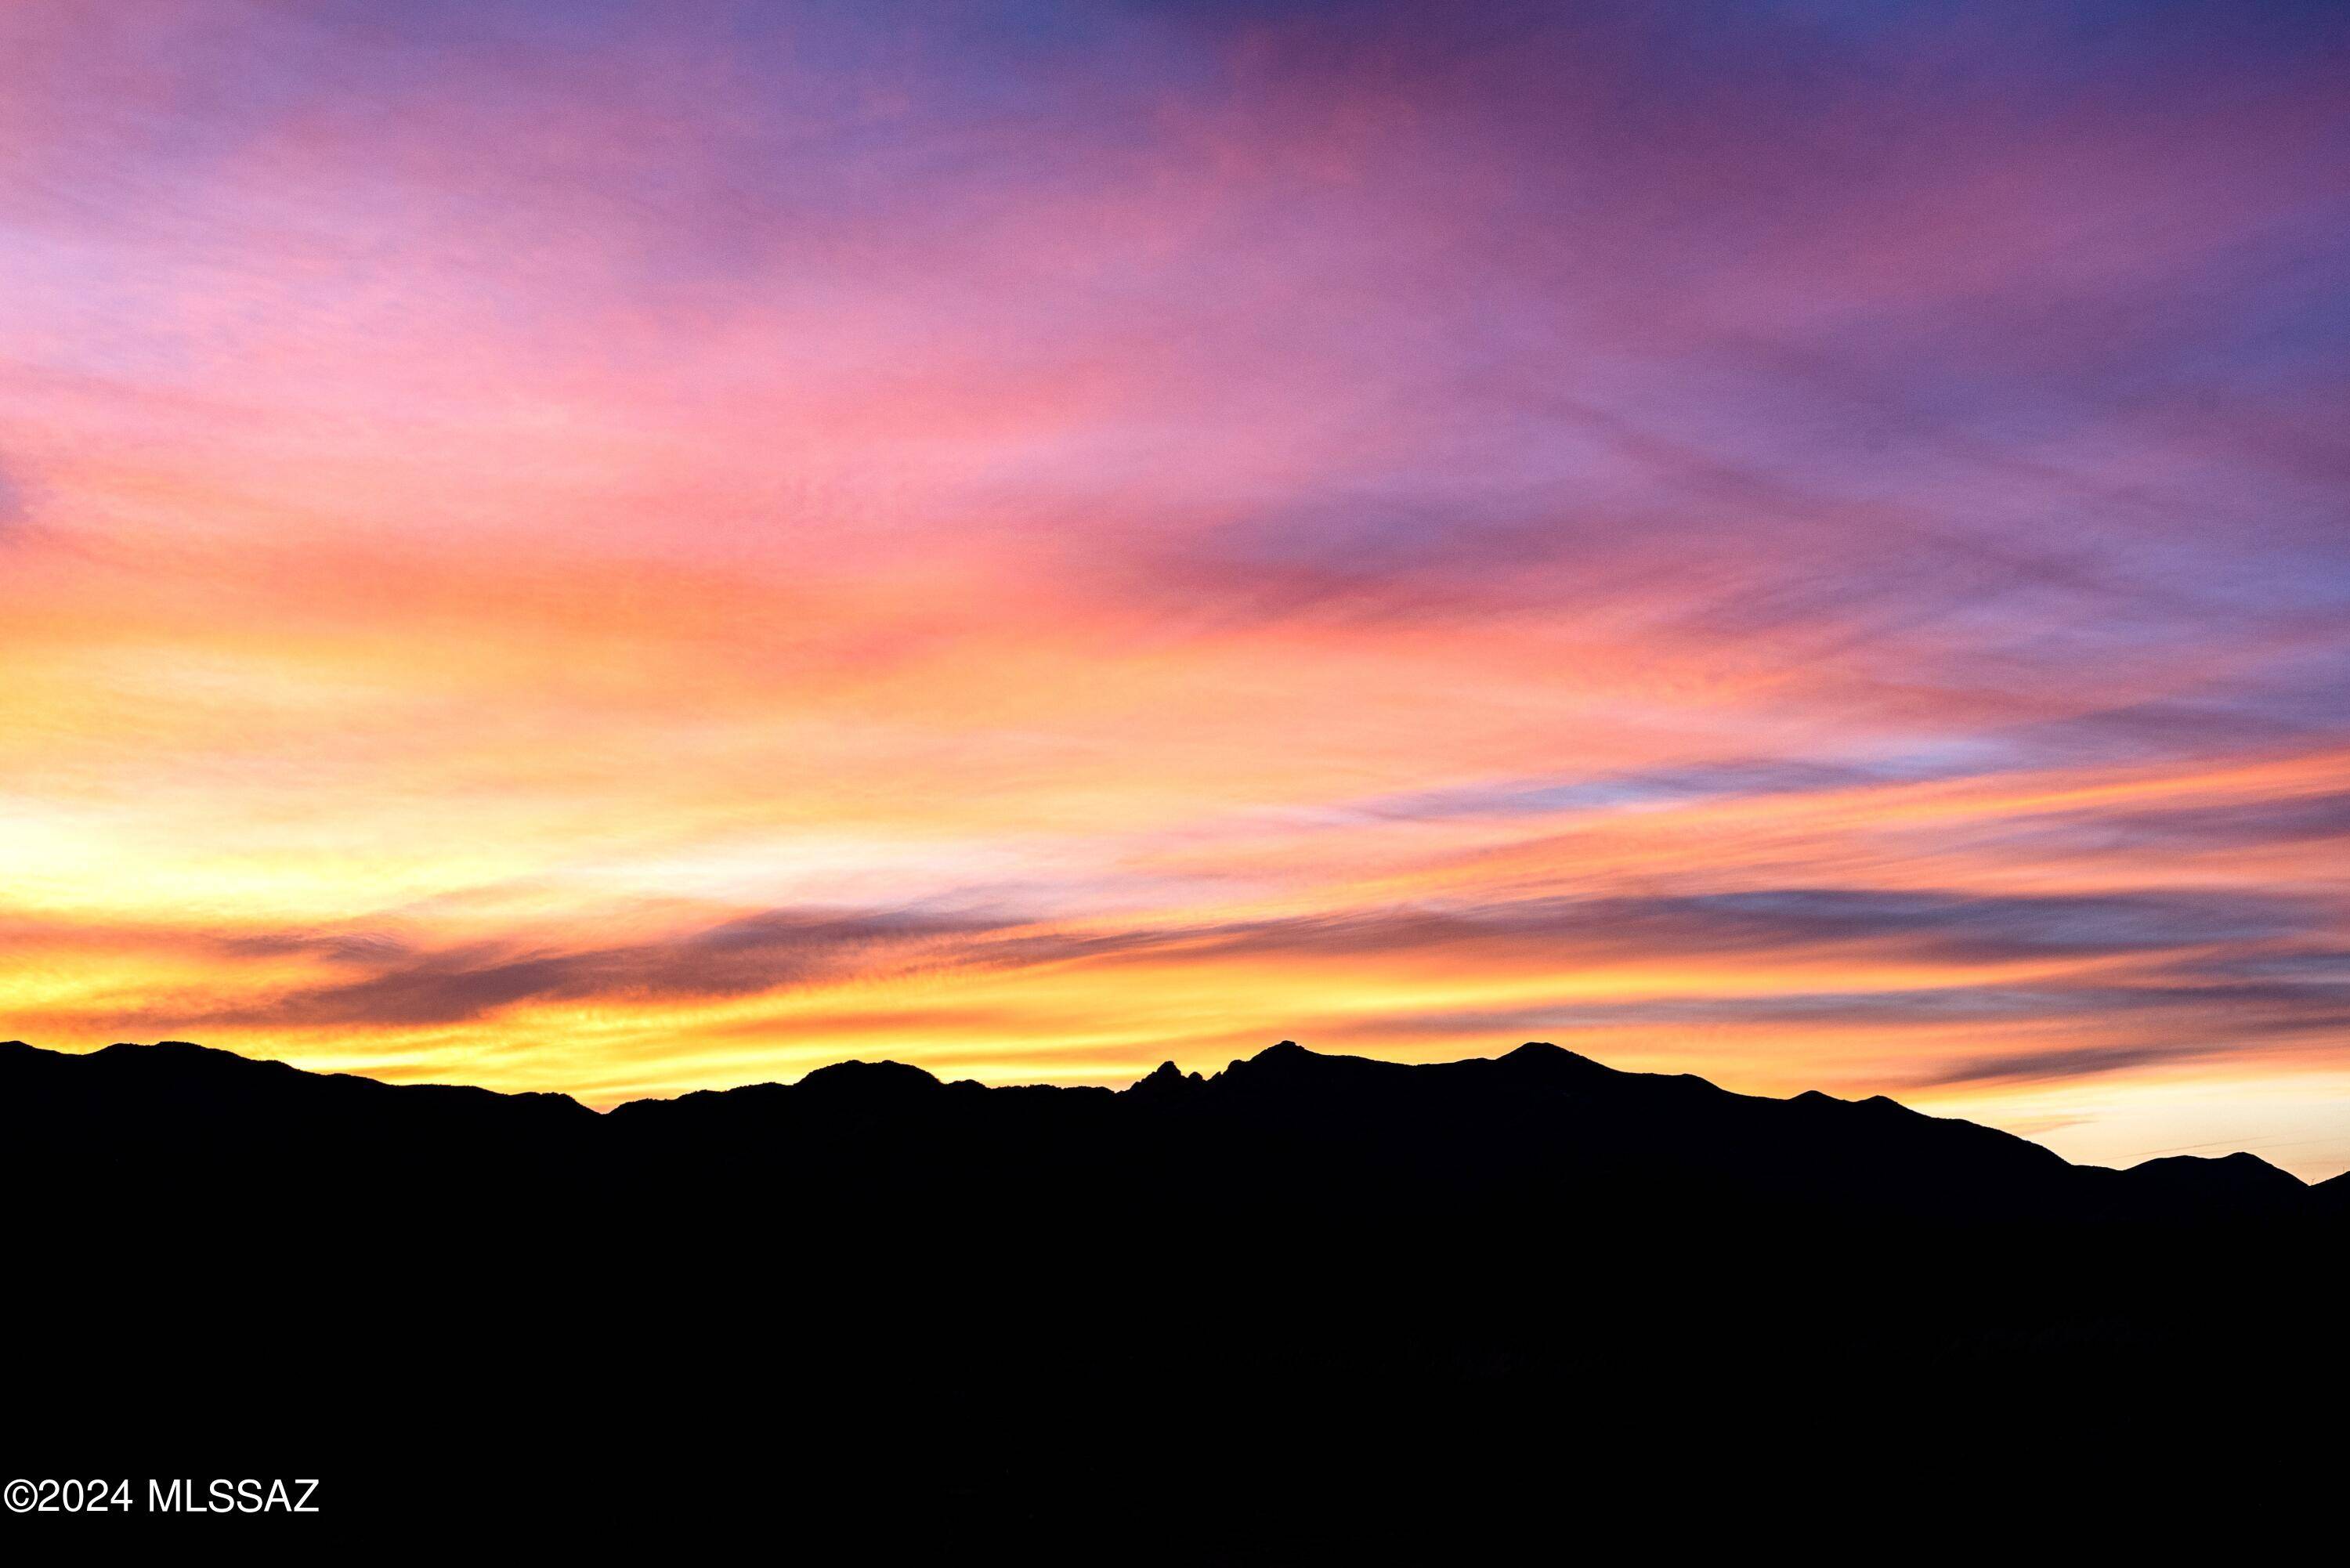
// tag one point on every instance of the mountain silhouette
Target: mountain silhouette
(1285, 1128)
(872, 1262)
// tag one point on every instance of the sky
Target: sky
(623, 548)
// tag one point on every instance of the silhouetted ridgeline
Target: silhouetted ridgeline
(872, 1256)
(1287, 1129)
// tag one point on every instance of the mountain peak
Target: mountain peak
(2240, 1168)
(1540, 1058)
(185, 1059)
(1289, 1069)
(866, 1080)
(2180, 1183)
(1282, 1059)
(1163, 1081)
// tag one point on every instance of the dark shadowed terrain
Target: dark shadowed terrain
(1193, 1294)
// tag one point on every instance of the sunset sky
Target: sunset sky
(623, 548)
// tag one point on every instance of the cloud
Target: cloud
(2235, 824)
(1647, 787)
(2059, 1062)
(2174, 1020)
(401, 984)
(382, 980)
(1949, 927)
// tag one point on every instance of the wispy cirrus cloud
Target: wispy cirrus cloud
(359, 976)
(385, 982)
(2078, 1062)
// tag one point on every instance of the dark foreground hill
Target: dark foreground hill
(996, 1296)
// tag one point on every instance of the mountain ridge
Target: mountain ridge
(1284, 1078)
(872, 1257)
